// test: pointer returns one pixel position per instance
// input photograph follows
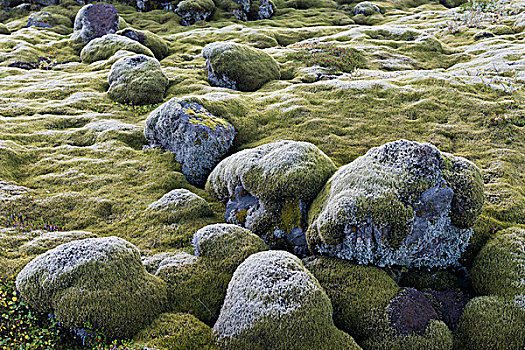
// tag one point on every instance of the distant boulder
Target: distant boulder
(94, 21)
(198, 138)
(404, 203)
(239, 67)
(155, 43)
(366, 8)
(252, 10)
(137, 80)
(193, 11)
(106, 46)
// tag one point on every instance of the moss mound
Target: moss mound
(239, 67)
(97, 280)
(491, 323)
(152, 41)
(499, 267)
(177, 332)
(106, 46)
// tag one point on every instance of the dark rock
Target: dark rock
(94, 21)
(193, 11)
(483, 35)
(410, 312)
(450, 305)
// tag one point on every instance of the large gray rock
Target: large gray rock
(403, 203)
(94, 21)
(239, 67)
(267, 189)
(138, 80)
(97, 280)
(272, 302)
(198, 138)
(106, 46)
(193, 11)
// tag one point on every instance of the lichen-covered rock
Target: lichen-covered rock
(198, 138)
(155, 43)
(182, 202)
(137, 80)
(177, 332)
(106, 46)
(403, 203)
(489, 323)
(239, 67)
(267, 189)
(226, 246)
(519, 22)
(193, 11)
(366, 8)
(252, 10)
(499, 268)
(94, 21)
(272, 302)
(50, 240)
(42, 19)
(97, 280)
(193, 286)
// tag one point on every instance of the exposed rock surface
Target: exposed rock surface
(366, 8)
(104, 275)
(137, 80)
(403, 203)
(268, 188)
(193, 11)
(252, 10)
(94, 21)
(272, 301)
(198, 138)
(239, 67)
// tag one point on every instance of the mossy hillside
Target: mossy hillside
(491, 323)
(498, 268)
(177, 331)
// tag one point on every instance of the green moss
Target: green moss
(152, 41)
(434, 279)
(488, 323)
(437, 336)
(104, 47)
(498, 268)
(247, 67)
(177, 332)
(195, 289)
(359, 294)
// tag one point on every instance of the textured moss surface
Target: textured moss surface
(177, 332)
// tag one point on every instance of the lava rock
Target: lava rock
(138, 80)
(271, 302)
(198, 138)
(193, 11)
(239, 67)
(366, 8)
(94, 21)
(410, 312)
(252, 10)
(267, 189)
(403, 203)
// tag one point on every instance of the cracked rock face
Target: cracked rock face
(198, 138)
(94, 21)
(403, 203)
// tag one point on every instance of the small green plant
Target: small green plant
(328, 56)
(20, 328)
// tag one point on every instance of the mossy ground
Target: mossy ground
(441, 94)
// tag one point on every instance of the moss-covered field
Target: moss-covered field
(415, 72)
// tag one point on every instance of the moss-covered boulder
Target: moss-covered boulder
(198, 138)
(158, 261)
(193, 11)
(93, 21)
(359, 294)
(152, 41)
(4, 30)
(97, 280)
(226, 246)
(489, 323)
(180, 203)
(177, 332)
(274, 302)
(499, 268)
(366, 8)
(267, 189)
(106, 46)
(193, 286)
(137, 80)
(45, 19)
(239, 67)
(403, 203)
(252, 10)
